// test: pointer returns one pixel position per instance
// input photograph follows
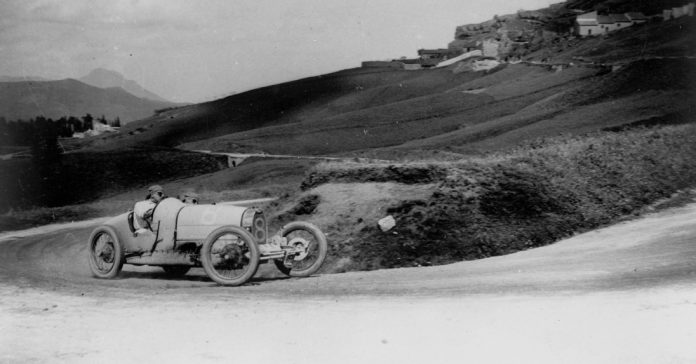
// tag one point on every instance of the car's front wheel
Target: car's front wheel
(310, 249)
(106, 256)
(230, 256)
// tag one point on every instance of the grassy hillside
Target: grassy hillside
(83, 177)
(672, 38)
(507, 105)
(311, 98)
(364, 109)
(511, 104)
(251, 179)
(641, 93)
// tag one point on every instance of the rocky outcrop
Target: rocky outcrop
(502, 35)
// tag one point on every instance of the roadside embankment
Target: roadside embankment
(531, 196)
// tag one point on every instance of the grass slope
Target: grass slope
(672, 38)
(251, 179)
(645, 90)
(85, 176)
(290, 102)
(360, 109)
(411, 119)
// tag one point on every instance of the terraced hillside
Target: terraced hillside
(640, 75)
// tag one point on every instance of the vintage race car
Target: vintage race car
(228, 241)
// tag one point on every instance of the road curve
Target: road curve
(625, 293)
(655, 250)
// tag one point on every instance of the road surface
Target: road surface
(622, 294)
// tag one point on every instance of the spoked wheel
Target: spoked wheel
(176, 270)
(310, 248)
(106, 256)
(230, 256)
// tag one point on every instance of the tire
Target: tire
(317, 251)
(106, 256)
(176, 270)
(227, 263)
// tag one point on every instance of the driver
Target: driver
(142, 211)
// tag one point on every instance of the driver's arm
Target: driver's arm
(148, 214)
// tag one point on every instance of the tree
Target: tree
(5, 135)
(45, 153)
(44, 147)
(87, 122)
(76, 124)
(116, 123)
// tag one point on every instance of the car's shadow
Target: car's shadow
(195, 277)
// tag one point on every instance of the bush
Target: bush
(85, 176)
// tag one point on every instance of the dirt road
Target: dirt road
(626, 293)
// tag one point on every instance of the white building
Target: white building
(97, 129)
(674, 13)
(587, 24)
(591, 23)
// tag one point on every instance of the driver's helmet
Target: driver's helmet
(154, 189)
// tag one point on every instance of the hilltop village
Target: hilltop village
(510, 38)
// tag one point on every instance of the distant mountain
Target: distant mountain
(53, 99)
(104, 78)
(21, 78)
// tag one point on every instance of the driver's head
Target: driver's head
(156, 193)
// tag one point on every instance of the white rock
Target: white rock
(386, 223)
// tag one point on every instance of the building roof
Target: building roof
(463, 43)
(433, 51)
(620, 18)
(636, 16)
(591, 15)
(605, 19)
(586, 21)
(408, 60)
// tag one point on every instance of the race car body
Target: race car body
(227, 241)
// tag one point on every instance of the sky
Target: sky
(194, 51)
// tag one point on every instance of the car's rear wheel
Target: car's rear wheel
(106, 256)
(311, 247)
(230, 256)
(176, 270)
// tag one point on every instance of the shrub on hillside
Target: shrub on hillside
(80, 177)
(533, 196)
